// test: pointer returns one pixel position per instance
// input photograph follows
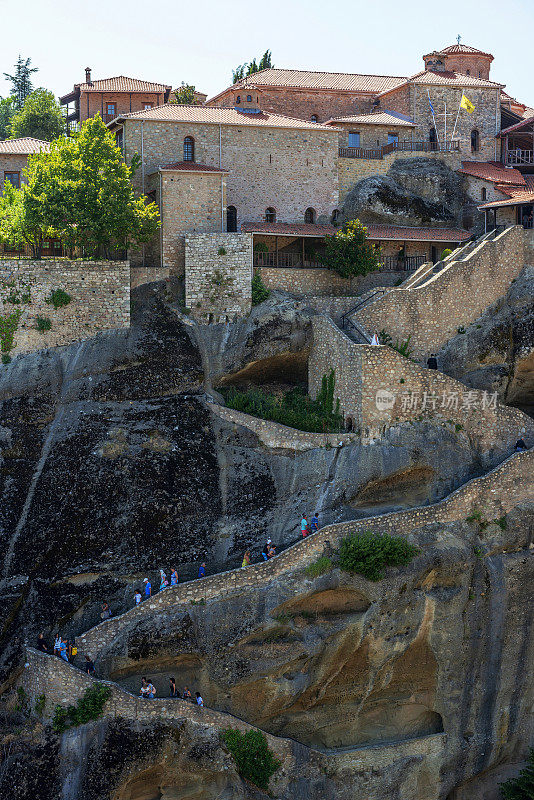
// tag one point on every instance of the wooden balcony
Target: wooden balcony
(295, 260)
(516, 158)
(405, 147)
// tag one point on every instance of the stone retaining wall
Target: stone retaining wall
(494, 494)
(100, 292)
(325, 282)
(140, 275)
(455, 297)
(277, 436)
(379, 388)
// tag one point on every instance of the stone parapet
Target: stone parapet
(495, 493)
(324, 282)
(100, 299)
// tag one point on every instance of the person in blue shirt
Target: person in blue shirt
(174, 578)
(314, 525)
(63, 650)
(148, 588)
(202, 570)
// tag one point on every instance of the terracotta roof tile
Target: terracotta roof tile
(447, 78)
(525, 121)
(460, 49)
(492, 171)
(374, 232)
(380, 118)
(305, 79)
(529, 180)
(191, 166)
(23, 147)
(173, 112)
(517, 199)
(121, 83)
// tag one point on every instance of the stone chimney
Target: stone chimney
(88, 76)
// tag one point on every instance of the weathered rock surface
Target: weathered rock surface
(496, 352)
(411, 193)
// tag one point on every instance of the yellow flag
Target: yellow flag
(467, 104)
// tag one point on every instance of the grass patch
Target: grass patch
(58, 298)
(369, 553)
(43, 324)
(255, 761)
(319, 567)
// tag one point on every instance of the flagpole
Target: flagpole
(457, 115)
(433, 118)
(445, 131)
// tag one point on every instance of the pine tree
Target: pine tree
(249, 68)
(21, 81)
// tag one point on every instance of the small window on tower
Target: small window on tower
(238, 99)
(189, 148)
(249, 98)
(484, 193)
(270, 215)
(314, 118)
(309, 216)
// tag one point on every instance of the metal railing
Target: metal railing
(405, 147)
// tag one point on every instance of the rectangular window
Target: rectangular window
(393, 138)
(146, 106)
(13, 178)
(111, 109)
(354, 139)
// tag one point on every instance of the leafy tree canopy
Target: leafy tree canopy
(522, 787)
(185, 95)
(244, 70)
(21, 85)
(7, 109)
(349, 253)
(81, 192)
(39, 117)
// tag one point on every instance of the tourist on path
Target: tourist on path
(375, 339)
(246, 559)
(163, 582)
(89, 666)
(174, 578)
(144, 689)
(148, 587)
(304, 527)
(314, 525)
(186, 694)
(63, 650)
(137, 597)
(57, 645)
(172, 687)
(520, 446)
(106, 611)
(432, 362)
(265, 551)
(41, 645)
(271, 552)
(151, 690)
(202, 570)
(199, 700)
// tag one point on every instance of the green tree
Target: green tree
(349, 253)
(254, 760)
(185, 95)
(21, 85)
(522, 787)
(81, 192)
(40, 117)
(244, 70)
(7, 109)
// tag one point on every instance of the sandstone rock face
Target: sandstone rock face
(496, 352)
(412, 193)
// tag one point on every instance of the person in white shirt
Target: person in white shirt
(137, 598)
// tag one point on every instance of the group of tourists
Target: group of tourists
(148, 692)
(312, 527)
(63, 648)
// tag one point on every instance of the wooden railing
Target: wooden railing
(285, 260)
(513, 157)
(405, 147)
(395, 264)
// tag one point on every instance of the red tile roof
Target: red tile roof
(518, 199)
(492, 171)
(447, 78)
(191, 166)
(379, 118)
(305, 79)
(517, 125)
(460, 49)
(374, 232)
(529, 180)
(211, 115)
(121, 83)
(23, 147)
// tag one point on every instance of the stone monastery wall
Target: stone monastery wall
(453, 298)
(100, 292)
(379, 388)
(218, 275)
(288, 169)
(324, 282)
(495, 493)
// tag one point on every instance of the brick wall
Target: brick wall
(100, 293)
(325, 282)
(218, 284)
(284, 168)
(407, 392)
(495, 493)
(453, 298)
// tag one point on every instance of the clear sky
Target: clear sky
(200, 41)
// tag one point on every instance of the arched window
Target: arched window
(314, 118)
(231, 219)
(238, 99)
(309, 216)
(249, 98)
(475, 141)
(335, 216)
(483, 193)
(189, 148)
(468, 72)
(270, 215)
